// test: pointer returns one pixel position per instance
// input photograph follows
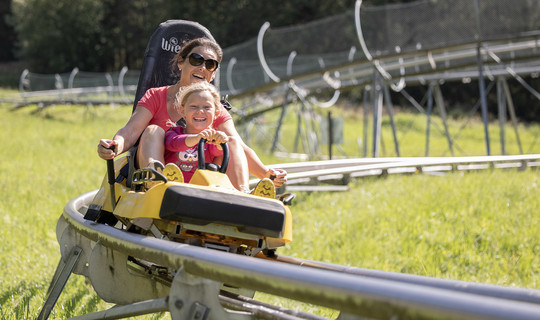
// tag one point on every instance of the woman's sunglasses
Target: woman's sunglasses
(196, 60)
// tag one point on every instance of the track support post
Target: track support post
(60, 278)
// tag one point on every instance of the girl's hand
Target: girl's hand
(104, 149)
(220, 137)
(213, 136)
(205, 134)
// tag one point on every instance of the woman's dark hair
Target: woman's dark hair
(192, 44)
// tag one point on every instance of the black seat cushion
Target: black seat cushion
(251, 215)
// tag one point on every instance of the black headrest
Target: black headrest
(163, 45)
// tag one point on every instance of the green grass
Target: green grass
(468, 226)
(46, 160)
(478, 226)
(439, 226)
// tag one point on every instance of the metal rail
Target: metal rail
(74, 88)
(185, 280)
(302, 174)
(448, 63)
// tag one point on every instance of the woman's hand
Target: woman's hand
(278, 176)
(104, 149)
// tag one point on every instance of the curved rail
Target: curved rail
(186, 279)
(260, 53)
(396, 87)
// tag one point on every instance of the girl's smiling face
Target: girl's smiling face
(199, 111)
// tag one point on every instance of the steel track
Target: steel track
(194, 275)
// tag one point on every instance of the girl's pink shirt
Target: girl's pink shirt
(186, 158)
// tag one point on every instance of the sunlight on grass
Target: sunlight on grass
(478, 226)
(47, 160)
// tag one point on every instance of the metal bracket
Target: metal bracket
(110, 274)
(197, 298)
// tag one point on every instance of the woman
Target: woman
(198, 60)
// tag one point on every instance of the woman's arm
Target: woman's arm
(255, 166)
(127, 136)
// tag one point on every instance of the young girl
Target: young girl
(199, 104)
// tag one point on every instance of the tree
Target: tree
(56, 36)
(126, 29)
(7, 33)
(104, 35)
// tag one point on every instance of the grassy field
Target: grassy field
(469, 226)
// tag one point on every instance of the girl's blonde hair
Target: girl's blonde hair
(186, 91)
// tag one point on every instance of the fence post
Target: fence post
(481, 81)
